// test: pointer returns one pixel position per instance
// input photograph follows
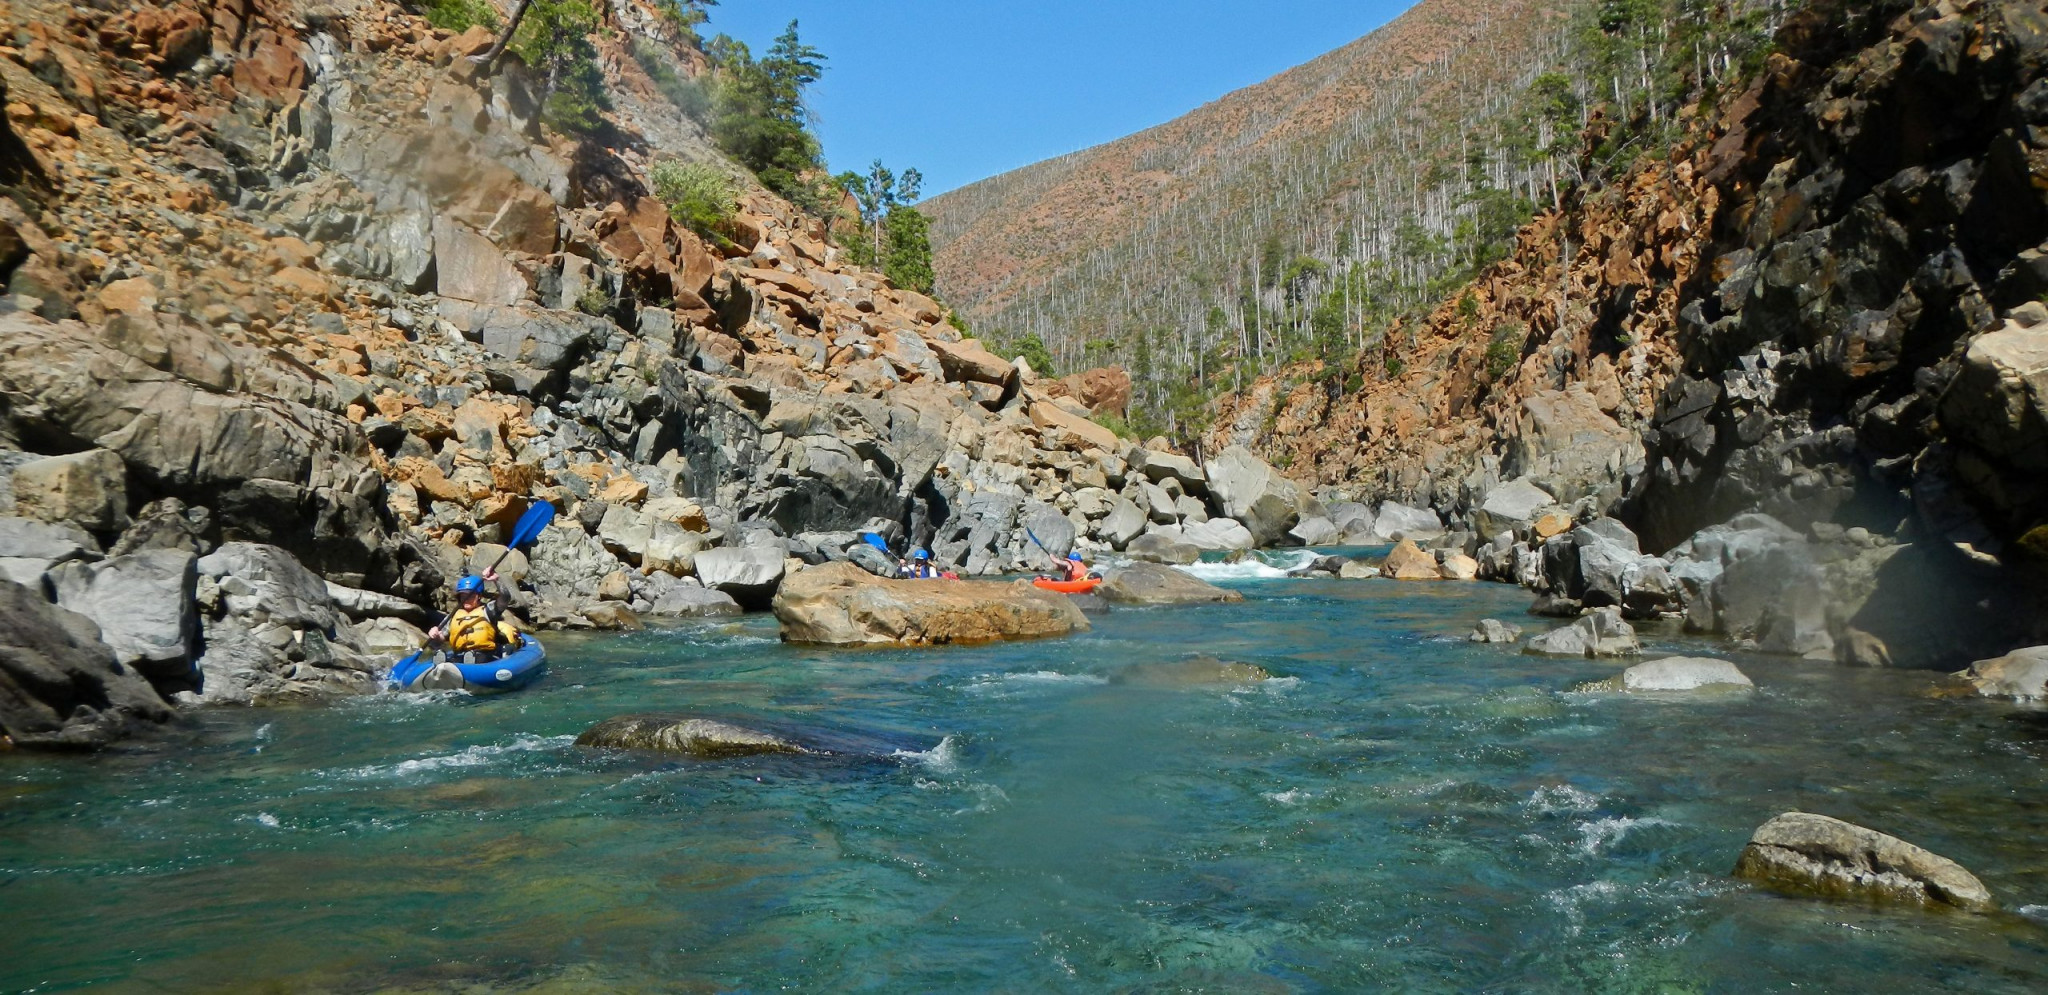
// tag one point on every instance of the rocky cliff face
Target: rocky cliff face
(1822, 305)
(299, 298)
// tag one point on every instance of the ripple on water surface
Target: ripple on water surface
(1394, 809)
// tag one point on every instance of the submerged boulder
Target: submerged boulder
(839, 604)
(1152, 584)
(1193, 671)
(1828, 858)
(681, 734)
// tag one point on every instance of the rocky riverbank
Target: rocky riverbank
(1822, 306)
(303, 310)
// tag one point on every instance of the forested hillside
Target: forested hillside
(1303, 217)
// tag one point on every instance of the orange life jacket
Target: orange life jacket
(473, 629)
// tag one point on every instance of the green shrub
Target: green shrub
(460, 15)
(1504, 349)
(594, 301)
(699, 197)
(554, 39)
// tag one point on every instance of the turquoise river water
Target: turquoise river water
(1396, 810)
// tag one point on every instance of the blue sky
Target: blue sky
(966, 89)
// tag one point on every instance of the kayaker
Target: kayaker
(1077, 569)
(920, 566)
(477, 626)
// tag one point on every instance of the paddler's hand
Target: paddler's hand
(490, 576)
(434, 634)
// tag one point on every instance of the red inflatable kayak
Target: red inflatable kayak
(1068, 586)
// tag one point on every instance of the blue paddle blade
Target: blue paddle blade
(531, 524)
(874, 540)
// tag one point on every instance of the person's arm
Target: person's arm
(503, 598)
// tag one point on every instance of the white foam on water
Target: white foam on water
(2038, 913)
(472, 756)
(1270, 564)
(1247, 569)
(1553, 799)
(1292, 796)
(1600, 834)
(941, 759)
(264, 819)
(1049, 677)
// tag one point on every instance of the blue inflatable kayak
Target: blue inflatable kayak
(450, 671)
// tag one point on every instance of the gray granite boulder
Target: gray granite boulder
(1599, 633)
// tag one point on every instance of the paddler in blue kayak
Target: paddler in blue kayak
(477, 626)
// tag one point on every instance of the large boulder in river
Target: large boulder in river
(1828, 858)
(1152, 584)
(60, 686)
(1408, 561)
(1678, 673)
(840, 604)
(1159, 547)
(1598, 633)
(2022, 674)
(1248, 489)
(681, 734)
(748, 574)
(1493, 630)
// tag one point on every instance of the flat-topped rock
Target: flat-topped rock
(1677, 673)
(839, 604)
(695, 737)
(1153, 584)
(1827, 858)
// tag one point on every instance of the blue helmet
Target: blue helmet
(920, 554)
(1075, 556)
(469, 584)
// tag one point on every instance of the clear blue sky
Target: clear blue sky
(966, 89)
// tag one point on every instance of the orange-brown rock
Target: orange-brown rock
(840, 604)
(1408, 561)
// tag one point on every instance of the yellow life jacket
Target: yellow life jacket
(471, 629)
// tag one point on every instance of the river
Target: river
(1396, 809)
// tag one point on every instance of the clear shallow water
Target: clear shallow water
(1397, 810)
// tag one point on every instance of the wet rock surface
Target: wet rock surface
(60, 686)
(1827, 858)
(696, 737)
(1153, 584)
